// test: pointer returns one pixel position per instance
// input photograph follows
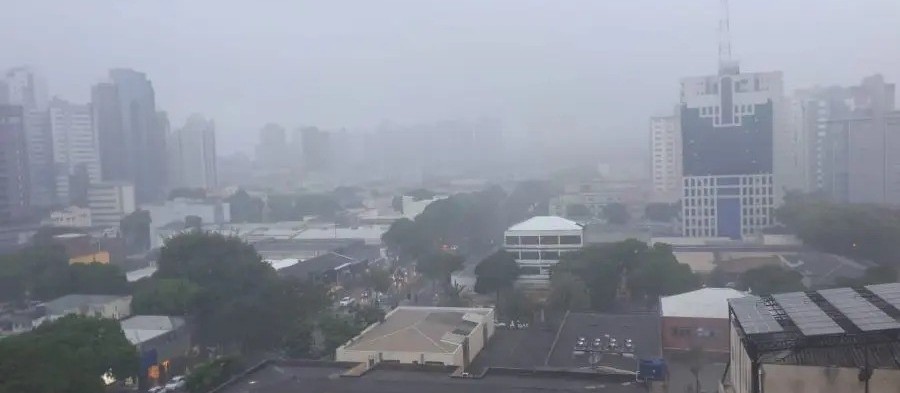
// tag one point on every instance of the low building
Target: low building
(160, 341)
(831, 340)
(72, 217)
(697, 319)
(16, 321)
(101, 306)
(109, 202)
(330, 268)
(447, 336)
(537, 244)
(176, 210)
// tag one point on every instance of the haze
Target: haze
(598, 66)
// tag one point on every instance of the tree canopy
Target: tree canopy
(770, 279)
(629, 269)
(245, 208)
(136, 231)
(439, 265)
(68, 355)
(496, 272)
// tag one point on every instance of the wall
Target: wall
(673, 340)
(117, 309)
(739, 367)
(783, 378)
(450, 359)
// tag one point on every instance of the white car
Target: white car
(175, 383)
(157, 389)
(346, 301)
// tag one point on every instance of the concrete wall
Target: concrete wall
(710, 334)
(739, 368)
(451, 359)
(780, 378)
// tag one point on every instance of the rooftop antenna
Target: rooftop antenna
(727, 65)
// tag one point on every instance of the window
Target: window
(512, 240)
(681, 332)
(530, 255)
(529, 270)
(551, 255)
(529, 240)
(570, 239)
(549, 239)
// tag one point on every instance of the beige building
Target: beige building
(833, 340)
(100, 306)
(449, 336)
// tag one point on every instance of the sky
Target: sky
(601, 66)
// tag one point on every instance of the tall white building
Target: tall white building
(537, 244)
(192, 155)
(26, 88)
(74, 146)
(110, 202)
(23, 86)
(665, 158)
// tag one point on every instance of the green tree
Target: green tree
(96, 279)
(438, 266)
(336, 330)
(208, 375)
(245, 208)
(578, 210)
(495, 273)
(167, 296)
(379, 279)
(368, 314)
(136, 231)
(68, 355)
(767, 280)
(298, 343)
(873, 275)
(616, 213)
(568, 292)
(517, 306)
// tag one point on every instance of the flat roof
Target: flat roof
(284, 378)
(702, 303)
(546, 223)
(420, 329)
(68, 302)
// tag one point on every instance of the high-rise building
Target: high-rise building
(192, 154)
(728, 127)
(107, 117)
(24, 87)
(14, 179)
(142, 137)
(317, 149)
(851, 137)
(74, 149)
(109, 202)
(665, 158)
(272, 152)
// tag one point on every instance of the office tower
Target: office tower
(192, 154)
(24, 87)
(107, 117)
(852, 137)
(75, 151)
(143, 159)
(272, 152)
(665, 158)
(14, 187)
(109, 202)
(317, 149)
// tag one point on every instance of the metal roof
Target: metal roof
(546, 223)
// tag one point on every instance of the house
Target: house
(101, 306)
(160, 341)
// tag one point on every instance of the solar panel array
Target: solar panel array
(890, 293)
(865, 315)
(754, 316)
(806, 314)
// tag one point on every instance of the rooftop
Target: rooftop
(797, 323)
(546, 223)
(702, 303)
(420, 329)
(66, 303)
(141, 328)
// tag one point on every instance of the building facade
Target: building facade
(696, 319)
(75, 151)
(538, 243)
(729, 124)
(851, 137)
(107, 119)
(71, 217)
(192, 155)
(14, 173)
(665, 158)
(109, 202)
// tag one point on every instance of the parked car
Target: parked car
(157, 389)
(347, 301)
(629, 346)
(175, 383)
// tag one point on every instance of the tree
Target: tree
(495, 273)
(68, 355)
(517, 306)
(528, 199)
(766, 280)
(873, 275)
(379, 279)
(438, 266)
(245, 208)
(568, 292)
(616, 213)
(44, 273)
(578, 210)
(368, 314)
(336, 330)
(96, 279)
(193, 222)
(663, 212)
(136, 231)
(208, 375)
(168, 296)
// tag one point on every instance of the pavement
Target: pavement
(642, 329)
(519, 348)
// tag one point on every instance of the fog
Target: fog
(597, 66)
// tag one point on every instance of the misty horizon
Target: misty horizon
(597, 67)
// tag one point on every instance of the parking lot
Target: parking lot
(534, 347)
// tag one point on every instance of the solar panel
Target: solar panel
(808, 317)
(754, 316)
(890, 293)
(858, 310)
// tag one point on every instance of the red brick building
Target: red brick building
(697, 319)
